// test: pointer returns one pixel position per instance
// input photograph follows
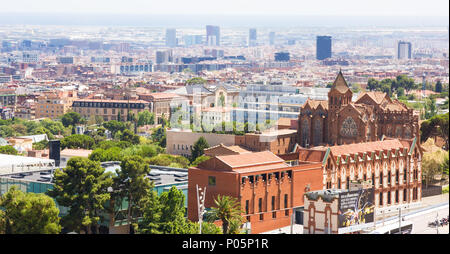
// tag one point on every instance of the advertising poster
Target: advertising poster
(356, 209)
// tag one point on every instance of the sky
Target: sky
(234, 7)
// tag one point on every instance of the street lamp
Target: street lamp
(200, 206)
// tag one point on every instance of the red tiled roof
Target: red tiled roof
(340, 84)
(113, 101)
(376, 96)
(252, 159)
(368, 147)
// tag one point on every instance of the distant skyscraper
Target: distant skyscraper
(323, 47)
(252, 37)
(164, 56)
(404, 50)
(272, 38)
(171, 38)
(212, 35)
(282, 57)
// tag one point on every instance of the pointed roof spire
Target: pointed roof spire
(340, 84)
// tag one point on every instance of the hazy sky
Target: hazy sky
(235, 7)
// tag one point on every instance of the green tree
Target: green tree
(8, 150)
(400, 92)
(437, 125)
(432, 165)
(356, 88)
(110, 154)
(167, 160)
(71, 118)
(28, 213)
(199, 160)
(82, 187)
(55, 127)
(6, 131)
(77, 141)
(41, 145)
(151, 217)
(142, 150)
(438, 88)
(445, 166)
(114, 126)
(227, 209)
(197, 149)
(172, 213)
(131, 185)
(129, 136)
(106, 144)
(145, 117)
(159, 136)
(373, 84)
(196, 80)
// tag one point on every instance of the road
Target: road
(421, 222)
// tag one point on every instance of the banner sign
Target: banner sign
(356, 209)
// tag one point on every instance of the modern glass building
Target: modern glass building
(323, 47)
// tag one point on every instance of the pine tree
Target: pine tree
(198, 149)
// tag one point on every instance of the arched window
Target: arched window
(389, 131)
(305, 132)
(318, 132)
(407, 132)
(349, 128)
(398, 131)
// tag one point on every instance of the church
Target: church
(341, 121)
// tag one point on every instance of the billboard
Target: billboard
(356, 210)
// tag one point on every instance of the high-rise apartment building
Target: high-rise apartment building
(190, 40)
(404, 50)
(164, 56)
(323, 47)
(272, 38)
(171, 38)
(282, 57)
(252, 37)
(212, 35)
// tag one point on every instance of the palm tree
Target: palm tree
(227, 210)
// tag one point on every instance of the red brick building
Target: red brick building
(340, 121)
(392, 165)
(267, 188)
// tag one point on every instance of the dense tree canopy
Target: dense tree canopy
(196, 80)
(435, 126)
(28, 213)
(114, 126)
(82, 187)
(8, 150)
(132, 185)
(71, 118)
(77, 141)
(129, 136)
(159, 136)
(145, 117)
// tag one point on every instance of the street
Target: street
(421, 222)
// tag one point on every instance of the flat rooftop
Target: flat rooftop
(14, 163)
(160, 175)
